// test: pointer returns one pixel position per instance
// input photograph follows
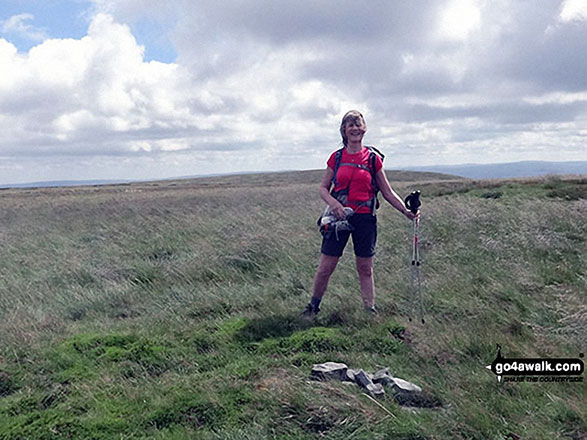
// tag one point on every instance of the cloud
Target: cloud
(84, 96)
(573, 10)
(18, 25)
(97, 95)
(458, 19)
(263, 84)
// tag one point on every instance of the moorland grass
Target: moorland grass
(170, 310)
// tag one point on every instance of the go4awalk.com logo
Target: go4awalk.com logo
(537, 369)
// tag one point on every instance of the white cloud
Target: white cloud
(97, 96)
(18, 25)
(573, 10)
(558, 98)
(457, 19)
(261, 87)
(91, 90)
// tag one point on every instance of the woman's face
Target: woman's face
(354, 130)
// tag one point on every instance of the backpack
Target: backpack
(342, 195)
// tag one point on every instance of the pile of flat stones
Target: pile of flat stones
(404, 392)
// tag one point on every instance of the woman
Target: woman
(353, 188)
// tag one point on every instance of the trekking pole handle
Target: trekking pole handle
(412, 201)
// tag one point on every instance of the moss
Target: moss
(84, 355)
(316, 339)
(383, 339)
(193, 411)
(257, 329)
(229, 328)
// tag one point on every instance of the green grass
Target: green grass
(170, 311)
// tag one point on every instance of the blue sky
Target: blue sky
(56, 19)
(116, 89)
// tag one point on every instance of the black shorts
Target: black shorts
(364, 237)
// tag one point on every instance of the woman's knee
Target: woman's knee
(327, 265)
(365, 267)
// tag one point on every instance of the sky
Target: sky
(128, 89)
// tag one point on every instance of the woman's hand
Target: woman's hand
(338, 210)
(334, 205)
(409, 214)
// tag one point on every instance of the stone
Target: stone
(350, 375)
(403, 386)
(376, 390)
(383, 377)
(408, 394)
(363, 379)
(329, 370)
(405, 393)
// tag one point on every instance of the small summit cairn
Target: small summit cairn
(329, 370)
(404, 393)
(383, 377)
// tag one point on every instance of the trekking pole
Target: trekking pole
(412, 202)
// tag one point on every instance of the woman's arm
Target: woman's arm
(391, 196)
(334, 205)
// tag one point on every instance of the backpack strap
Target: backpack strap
(371, 168)
(337, 158)
(375, 150)
(372, 162)
(356, 165)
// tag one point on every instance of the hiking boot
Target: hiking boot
(371, 310)
(310, 311)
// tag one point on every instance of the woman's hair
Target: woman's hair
(351, 116)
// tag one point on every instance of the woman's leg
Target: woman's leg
(326, 266)
(365, 271)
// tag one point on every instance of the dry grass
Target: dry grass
(168, 284)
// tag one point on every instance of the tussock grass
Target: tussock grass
(170, 310)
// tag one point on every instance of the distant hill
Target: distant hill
(436, 172)
(249, 178)
(63, 183)
(505, 170)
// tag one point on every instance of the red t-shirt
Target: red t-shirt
(360, 188)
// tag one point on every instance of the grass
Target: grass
(169, 310)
